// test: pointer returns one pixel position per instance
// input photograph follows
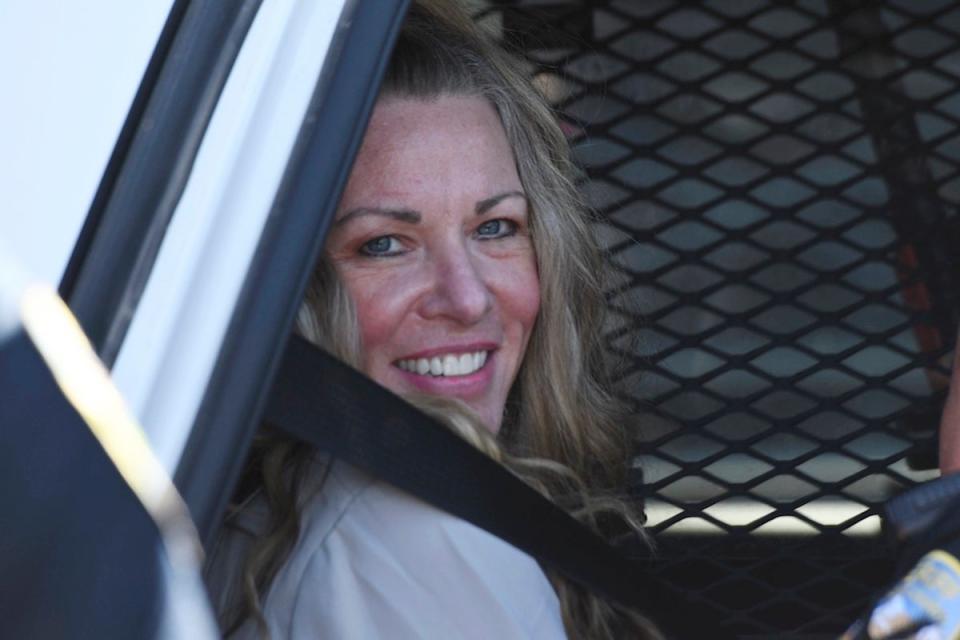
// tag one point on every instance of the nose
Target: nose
(459, 291)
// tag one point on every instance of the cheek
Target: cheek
(375, 330)
(521, 297)
(380, 310)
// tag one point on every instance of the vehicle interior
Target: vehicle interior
(777, 188)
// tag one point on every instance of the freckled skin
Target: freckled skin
(455, 277)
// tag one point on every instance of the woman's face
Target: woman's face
(432, 242)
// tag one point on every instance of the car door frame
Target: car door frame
(152, 164)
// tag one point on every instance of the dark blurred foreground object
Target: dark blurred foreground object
(93, 542)
(924, 602)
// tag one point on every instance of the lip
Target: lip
(451, 349)
(466, 387)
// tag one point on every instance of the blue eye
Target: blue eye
(381, 246)
(498, 228)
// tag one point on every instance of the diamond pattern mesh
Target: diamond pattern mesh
(778, 188)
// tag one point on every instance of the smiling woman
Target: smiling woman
(433, 246)
(460, 273)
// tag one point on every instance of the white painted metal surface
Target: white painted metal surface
(171, 347)
(69, 71)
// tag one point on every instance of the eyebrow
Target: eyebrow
(485, 205)
(413, 217)
(403, 215)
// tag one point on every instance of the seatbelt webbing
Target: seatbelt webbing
(325, 403)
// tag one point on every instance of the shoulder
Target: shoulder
(356, 512)
(371, 554)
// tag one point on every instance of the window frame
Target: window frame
(148, 173)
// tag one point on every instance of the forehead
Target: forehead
(445, 146)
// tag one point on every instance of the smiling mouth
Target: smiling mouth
(450, 365)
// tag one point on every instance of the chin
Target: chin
(489, 418)
(493, 426)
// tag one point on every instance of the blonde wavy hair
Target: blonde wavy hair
(563, 430)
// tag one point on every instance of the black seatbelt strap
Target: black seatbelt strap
(325, 403)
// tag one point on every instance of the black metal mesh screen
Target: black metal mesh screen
(778, 187)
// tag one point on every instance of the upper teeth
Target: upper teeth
(448, 365)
